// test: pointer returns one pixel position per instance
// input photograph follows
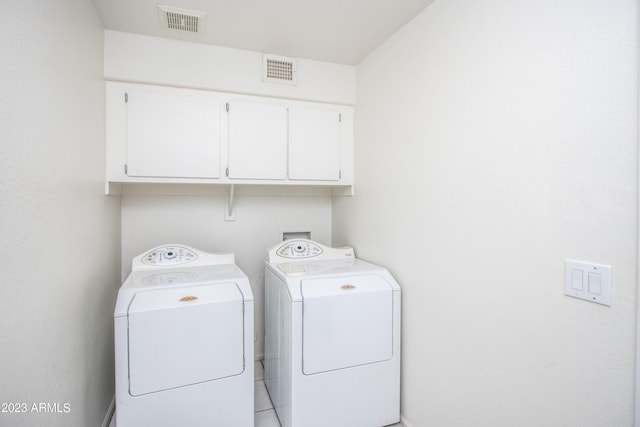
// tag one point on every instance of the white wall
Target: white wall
(198, 221)
(59, 258)
(137, 58)
(495, 139)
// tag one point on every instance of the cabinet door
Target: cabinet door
(173, 133)
(257, 141)
(314, 144)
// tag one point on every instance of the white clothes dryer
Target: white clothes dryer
(332, 344)
(183, 325)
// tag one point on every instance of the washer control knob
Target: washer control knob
(299, 249)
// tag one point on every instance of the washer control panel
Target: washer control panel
(300, 249)
(169, 255)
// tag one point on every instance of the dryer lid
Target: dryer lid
(162, 299)
(183, 336)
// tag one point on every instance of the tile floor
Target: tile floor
(265, 414)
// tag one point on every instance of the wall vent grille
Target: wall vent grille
(183, 20)
(279, 69)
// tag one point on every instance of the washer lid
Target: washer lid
(182, 336)
(347, 321)
(346, 285)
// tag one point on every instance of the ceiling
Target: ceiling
(339, 31)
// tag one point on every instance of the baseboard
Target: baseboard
(404, 422)
(110, 411)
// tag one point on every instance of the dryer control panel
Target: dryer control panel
(175, 256)
(304, 249)
(169, 255)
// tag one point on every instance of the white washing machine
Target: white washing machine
(332, 344)
(184, 341)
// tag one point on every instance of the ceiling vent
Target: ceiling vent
(279, 69)
(183, 20)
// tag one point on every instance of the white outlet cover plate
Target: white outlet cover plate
(588, 281)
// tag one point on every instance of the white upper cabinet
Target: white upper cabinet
(173, 133)
(314, 144)
(257, 141)
(159, 134)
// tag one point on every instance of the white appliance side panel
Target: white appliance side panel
(257, 141)
(273, 334)
(184, 336)
(173, 133)
(347, 321)
(278, 353)
(314, 144)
